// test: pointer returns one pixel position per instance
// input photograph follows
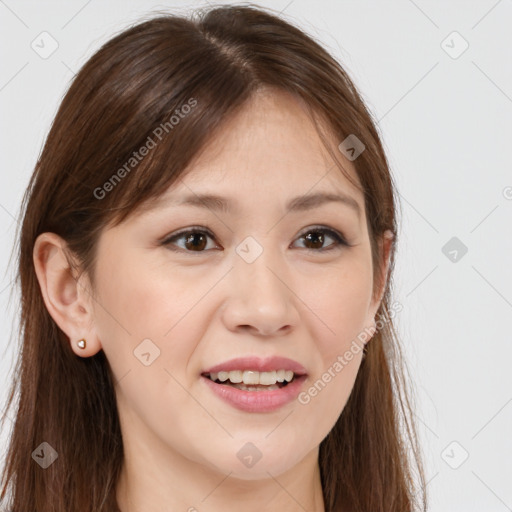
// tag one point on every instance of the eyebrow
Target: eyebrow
(297, 204)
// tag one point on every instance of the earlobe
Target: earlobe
(66, 299)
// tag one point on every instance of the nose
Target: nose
(259, 298)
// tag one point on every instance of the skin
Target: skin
(202, 308)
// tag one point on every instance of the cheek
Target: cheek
(340, 303)
(340, 308)
(144, 325)
(142, 309)
(136, 300)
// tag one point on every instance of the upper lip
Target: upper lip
(258, 364)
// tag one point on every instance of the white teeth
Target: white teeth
(250, 377)
(268, 378)
(223, 376)
(235, 377)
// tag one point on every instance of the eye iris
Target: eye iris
(315, 236)
(190, 238)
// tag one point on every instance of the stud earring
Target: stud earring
(81, 343)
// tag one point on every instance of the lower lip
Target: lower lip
(257, 401)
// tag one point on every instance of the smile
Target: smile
(256, 398)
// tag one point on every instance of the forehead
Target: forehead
(269, 148)
(272, 131)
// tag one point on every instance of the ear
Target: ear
(66, 297)
(386, 243)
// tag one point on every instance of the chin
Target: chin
(272, 464)
(259, 471)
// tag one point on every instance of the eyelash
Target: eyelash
(338, 237)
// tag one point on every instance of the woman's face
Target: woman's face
(258, 281)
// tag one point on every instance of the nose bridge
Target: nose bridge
(259, 296)
(256, 265)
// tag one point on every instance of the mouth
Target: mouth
(256, 392)
(255, 384)
(253, 380)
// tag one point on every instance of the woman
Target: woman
(205, 266)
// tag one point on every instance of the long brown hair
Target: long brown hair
(125, 95)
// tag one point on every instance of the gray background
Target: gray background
(445, 119)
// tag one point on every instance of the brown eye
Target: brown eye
(315, 238)
(195, 240)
